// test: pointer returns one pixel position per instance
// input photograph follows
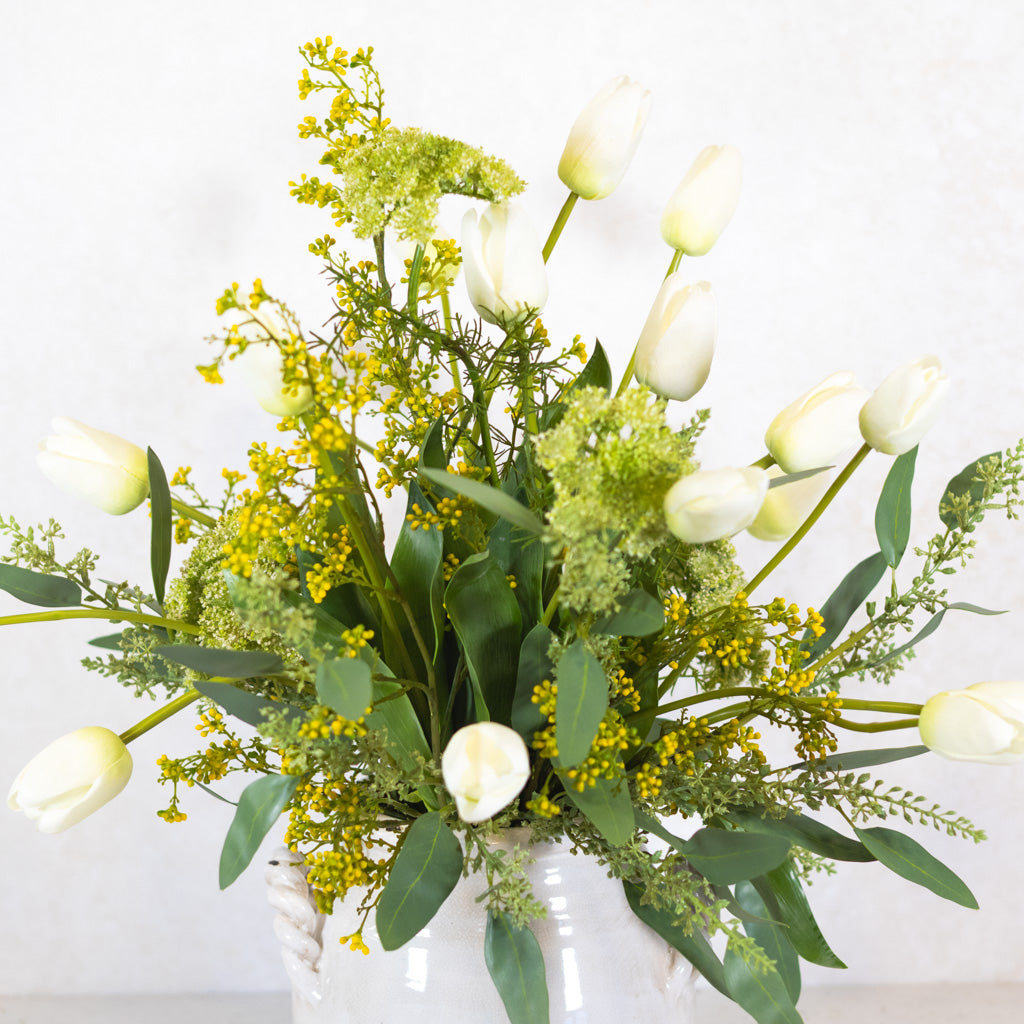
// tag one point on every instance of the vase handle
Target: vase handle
(298, 924)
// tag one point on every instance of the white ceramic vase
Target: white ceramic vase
(603, 964)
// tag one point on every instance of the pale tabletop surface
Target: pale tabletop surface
(900, 1004)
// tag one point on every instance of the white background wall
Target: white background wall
(146, 155)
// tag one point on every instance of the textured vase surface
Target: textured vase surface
(603, 964)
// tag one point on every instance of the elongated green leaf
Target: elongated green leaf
(772, 937)
(853, 760)
(343, 685)
(786, 902)
(516, 964)
(258, 809)
(487, 621)
(39, 589)
(520, 555)
(639, 614)
(892, 515)
(215, 794)
(213, 661)
(762, 993)
(691, 944)
(910, 860)
(427, 868)
(792, 478)
(487, 497)
(725, 857)
(245, 706)
(964, 483)
(581, 703)
(162, 529)
(608, 807)
(534, 667)
(597, 373)
(802, 831)
(930, 626)
(432, 450)
(110, 642)
(345, 603)
(846, 599)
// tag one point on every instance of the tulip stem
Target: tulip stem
(453, 360)
(190, 697)
(677, 258)
(900, 723)
(805, 527)
(560, 221)
(765, 462)
(110, 614)
(191, 513)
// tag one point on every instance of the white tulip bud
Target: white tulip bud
(262, 366)
(604, 138)
(786, 507)
(904, 406)
(714, 503)
(72, 777)
(704, 201)
(485, 767)
(104, 469)
(673, 355)
(984, 723)
(819, 427)
(504, 268)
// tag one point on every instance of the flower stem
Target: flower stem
(190, 697)
(110, 614)
(900, 723)
(192, 513)
(805, 527)
(560, 221)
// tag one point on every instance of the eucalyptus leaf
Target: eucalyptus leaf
(110, 642)
(343, 685)
(259, 807)
(580, 704)
(892, 515)
(427, 868)
(38, 588)
(724, 857)
(162, 525)
(771, 936)
(964, 483)
(854, 590)
(516, 964)
(607, 805)
(639, 614)
(487, 497)
(245, 706)
(800, 830)
(224, 664)
(853, 760)
(762, 994)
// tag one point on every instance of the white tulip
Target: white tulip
(714, 503)
(786, 507)
(72, 777)
(704, 201)
(984, 723)
(819, 426)
(485, 766)
(102, 468)
(262, 365)
(604, 138)
(673, 355)
(504, 268)
(904, 406)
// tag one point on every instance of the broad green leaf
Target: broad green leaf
(965, 484)
(762, 993)
(486, 618)
(516, 964)
(892, 515)
(520, 555)
(162, 528)
(771, 937)
(343, 685)
(534, 667)
(910, 860)
(597, 373)
(846, 599)
(580, 705)
(802, 831)
(608, 807)
(427, 868)
(259, 807)
(639, 614)
(691, 944)
(245, 706)
(724, 857)
(224, 664)
(786, 902)
(853, 760)
(930, 626)
(487, 497)
(39, 589)
(432, 450)
(345, 603)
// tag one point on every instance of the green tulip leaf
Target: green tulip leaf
(245, 706)
(691, 944)
(259, 807)
(908, 859)
(965, 484)
(490, 498)
(581, 703)
(892, 515)
(224, 664)
(521, 556)
(724, 857)
(432, 453)
(837, 611)
(597, 373)
(800, 830)
(427, 868)
(771, 936)
(162, 528)
(343, 685)
(607, 806)
(534, 667)
(39, 589)
(516, 965)
(762, 994)
(792, 478)
(639, 614)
